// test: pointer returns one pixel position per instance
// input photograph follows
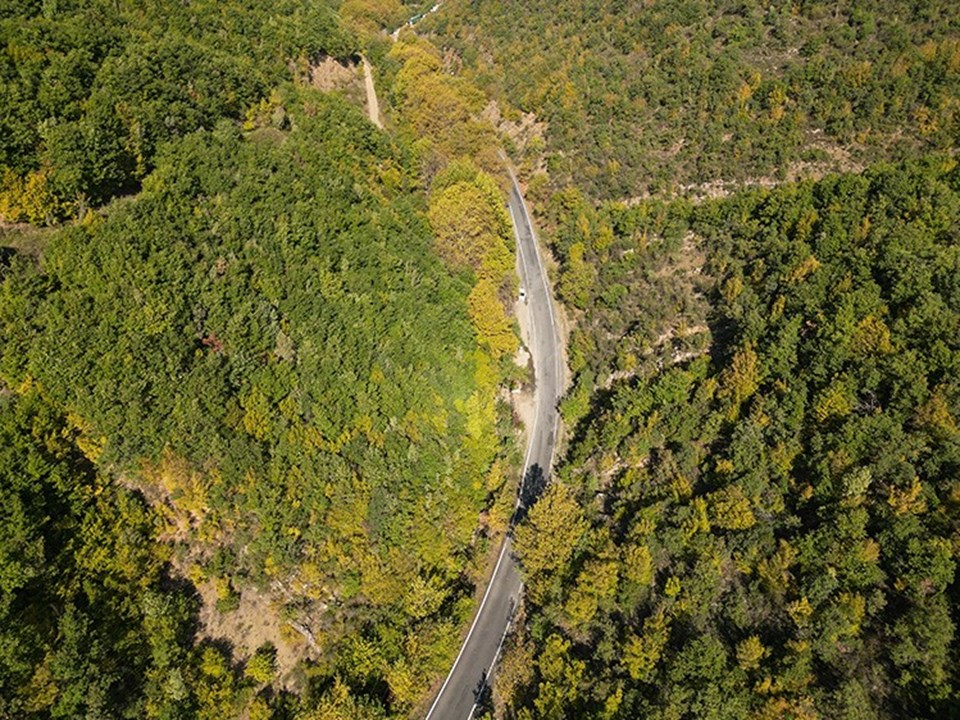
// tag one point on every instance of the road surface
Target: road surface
(471, 672)
(411, 22)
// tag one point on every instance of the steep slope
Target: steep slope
(265, 345)
(768, 529)
(92, 90)
(687, 96)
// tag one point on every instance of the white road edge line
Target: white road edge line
(526, 463)
(546, 287)
(473, 626)
(496, 656)
(530, 444)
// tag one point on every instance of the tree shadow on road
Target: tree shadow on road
(532, 487)
(482, 696)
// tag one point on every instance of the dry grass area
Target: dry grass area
(179, 493)
(255, 622)
(522, 129)
(344, 76)
(24, 238)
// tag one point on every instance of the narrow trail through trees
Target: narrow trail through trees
(373, 105)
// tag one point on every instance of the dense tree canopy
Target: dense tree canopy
(772, 517)
(278, 344)
(90, 90)
(265, 344)
(89, 625)
(259, 353)
(671, 95)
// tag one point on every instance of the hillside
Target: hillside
(690, 96)
(260, 382)
(764, 524)
(91, 90)
(754, 212)
(250, 371)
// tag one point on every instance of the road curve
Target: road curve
(469, 677)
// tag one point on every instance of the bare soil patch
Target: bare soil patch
(254, 623)
(332, 75)
(24, 238)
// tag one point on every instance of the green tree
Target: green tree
(548, 538)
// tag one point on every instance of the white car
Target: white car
(523, 295)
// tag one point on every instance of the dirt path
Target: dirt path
(373, 105)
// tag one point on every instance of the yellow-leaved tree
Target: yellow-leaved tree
(548, 538)
(441, 112)
(595, 589)
(490, 319)
(643, 651)
(740, 379)
(464, 224)
(30, 199)
(366, 17)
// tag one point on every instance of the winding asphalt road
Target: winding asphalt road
(469, 678)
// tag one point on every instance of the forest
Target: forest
(647, 97)
(258, 452)
(754, 213)
(91, 90)
(250, 371)
(762, 521)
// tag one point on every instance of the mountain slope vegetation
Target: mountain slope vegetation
(770, 528)
(247, 362)
(91, 90)
(271, 351)
(652, 97)
(754, 212)
(256, 447)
